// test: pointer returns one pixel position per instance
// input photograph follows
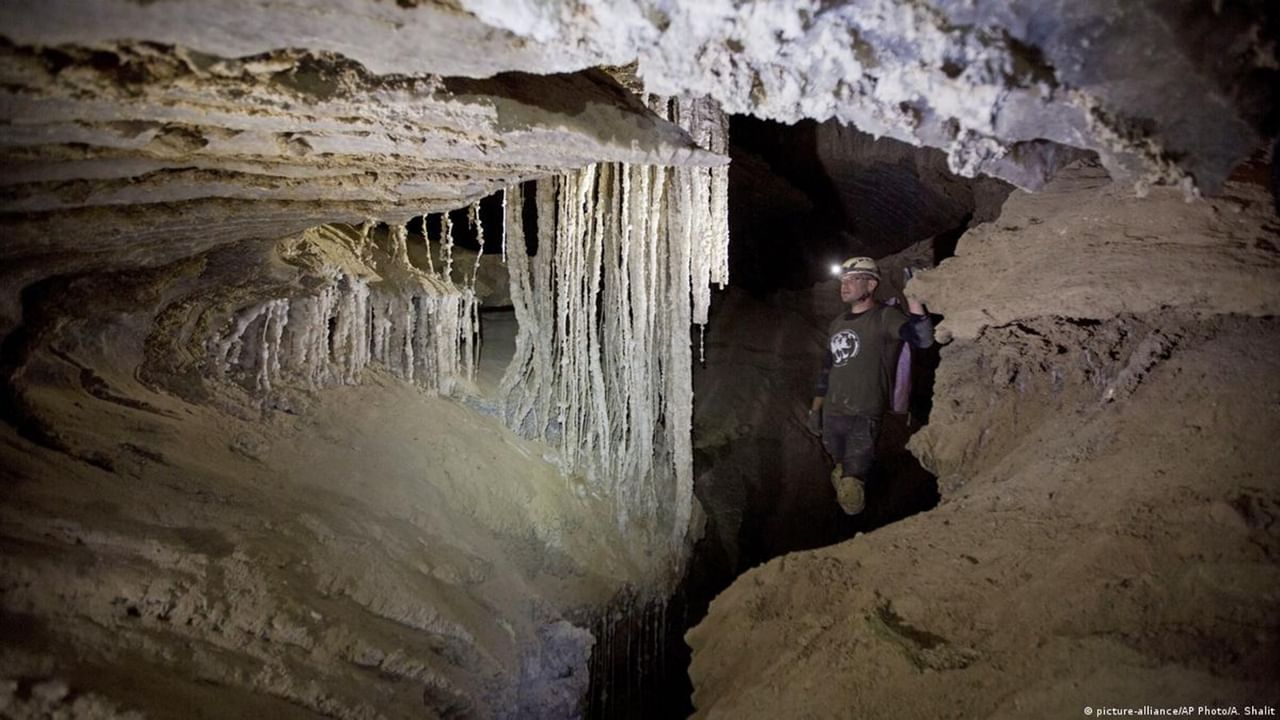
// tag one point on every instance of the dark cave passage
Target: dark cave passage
(763, 481)
(766, 333)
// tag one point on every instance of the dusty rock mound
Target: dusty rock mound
(1108, 534)
(1087, 248)
(184, 539)
(1098, 554)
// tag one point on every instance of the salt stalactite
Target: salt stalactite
(707, 199)
(473, 217)
(529, 381)
(504, 227)
(446, 246)
(400, 246)
(603, 363)
(277, 317)
(418, 328)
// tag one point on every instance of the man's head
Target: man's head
(859, 277)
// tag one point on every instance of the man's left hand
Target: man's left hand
(914, 306)
(813, 423)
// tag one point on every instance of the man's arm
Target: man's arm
(814, 422)
(824, 379)
(917, 331)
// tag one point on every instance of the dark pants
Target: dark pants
(851, 441)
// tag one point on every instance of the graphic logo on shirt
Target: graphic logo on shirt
(844, 347)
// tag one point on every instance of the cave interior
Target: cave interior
(454, 359)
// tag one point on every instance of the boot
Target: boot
(850, 495)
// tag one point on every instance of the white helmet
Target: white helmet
(857, 266)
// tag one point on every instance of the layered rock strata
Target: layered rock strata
(1161, 93)
(138, 154)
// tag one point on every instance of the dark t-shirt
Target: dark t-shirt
(862, 351)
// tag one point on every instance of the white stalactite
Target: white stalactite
(446, 247)
(603, 363)
(473, 215)
(504, 226)
(418, 328)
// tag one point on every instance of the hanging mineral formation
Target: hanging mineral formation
(603, 362)
(626, 256)
(375, 308)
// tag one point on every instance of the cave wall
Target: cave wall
(185, 324)
(893, 195)
(324, 358)
(1107, 532)
(182, 540)
(807, 195)
(1113, 253)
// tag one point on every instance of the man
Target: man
(853, 388)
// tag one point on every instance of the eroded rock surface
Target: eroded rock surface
(894, 195)
(1096, 555)
(139, 154)
(187, 541)
(1160, 91)
(1085, 248)
(1107, 533)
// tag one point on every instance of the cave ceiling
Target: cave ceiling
(230, 119)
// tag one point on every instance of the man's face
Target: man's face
(854, 287)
